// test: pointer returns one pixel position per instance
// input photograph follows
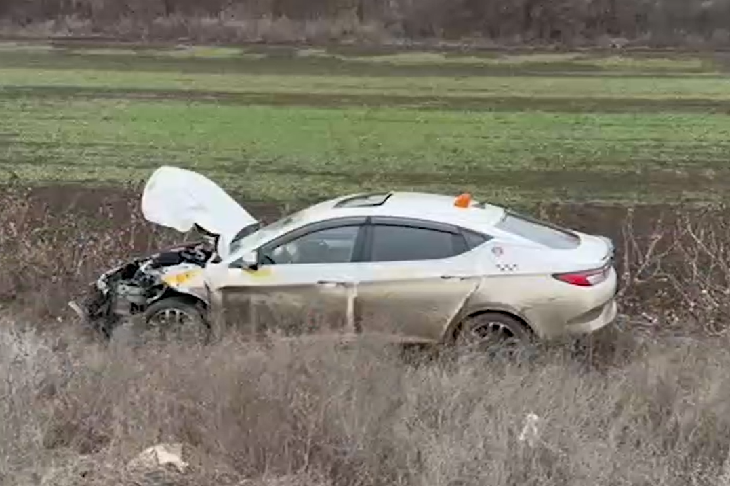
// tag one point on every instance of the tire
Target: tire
(178, 319)
(492, 331)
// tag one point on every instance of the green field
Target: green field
(286, 124)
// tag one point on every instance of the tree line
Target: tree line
(525, 21)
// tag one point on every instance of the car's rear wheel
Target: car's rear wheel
(176, 319)
(492, 331)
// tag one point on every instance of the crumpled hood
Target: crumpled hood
(179, 198)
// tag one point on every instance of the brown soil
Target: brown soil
(421, 102)
(121, 203)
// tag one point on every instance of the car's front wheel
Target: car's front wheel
(177, 319)
(492, 331)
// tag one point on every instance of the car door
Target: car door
(419, 276)
(304, 283)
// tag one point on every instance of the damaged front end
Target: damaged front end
(131, 288)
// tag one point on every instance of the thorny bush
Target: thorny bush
(676, 274)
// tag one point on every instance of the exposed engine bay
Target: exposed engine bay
(130, 288)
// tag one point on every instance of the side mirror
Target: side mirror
(247, 260)
(250, 259)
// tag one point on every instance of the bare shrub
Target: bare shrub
(678, 272)
(50, 253)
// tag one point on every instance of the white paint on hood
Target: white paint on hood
(179, 198)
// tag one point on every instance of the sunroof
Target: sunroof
(364, 200)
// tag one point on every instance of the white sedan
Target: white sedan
(413, 267)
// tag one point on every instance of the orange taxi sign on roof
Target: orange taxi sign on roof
(463, 200)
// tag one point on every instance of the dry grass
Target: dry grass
(619, 409)
(363, 415)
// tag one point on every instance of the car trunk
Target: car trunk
(592, 252)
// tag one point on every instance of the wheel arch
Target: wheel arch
(190, 305)
(456, 327)
(188, 297)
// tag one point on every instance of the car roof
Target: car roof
(438, 208)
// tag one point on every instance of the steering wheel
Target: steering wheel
(312, 251)
(283, 255)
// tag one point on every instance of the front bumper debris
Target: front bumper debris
(80, 312)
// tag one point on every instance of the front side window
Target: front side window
(256, 238)
(332, 245)
(405, 243)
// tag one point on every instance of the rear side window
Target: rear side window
(538, 232)
(405, 243)
(474, 239)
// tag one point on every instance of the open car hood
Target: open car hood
(179, 199)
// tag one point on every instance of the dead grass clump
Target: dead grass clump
(26, 361)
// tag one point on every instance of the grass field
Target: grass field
(288, 125)
(644, 402)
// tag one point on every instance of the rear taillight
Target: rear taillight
(587, 278)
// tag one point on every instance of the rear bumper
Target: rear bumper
(574, 310)
(593, 320)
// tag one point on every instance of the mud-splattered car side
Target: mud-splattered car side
(413, 267)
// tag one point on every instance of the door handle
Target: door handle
(453, 277)
(330, 283)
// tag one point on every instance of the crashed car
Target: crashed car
(413, 267)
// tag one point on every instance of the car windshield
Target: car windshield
(538, 232)
(255, 239)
